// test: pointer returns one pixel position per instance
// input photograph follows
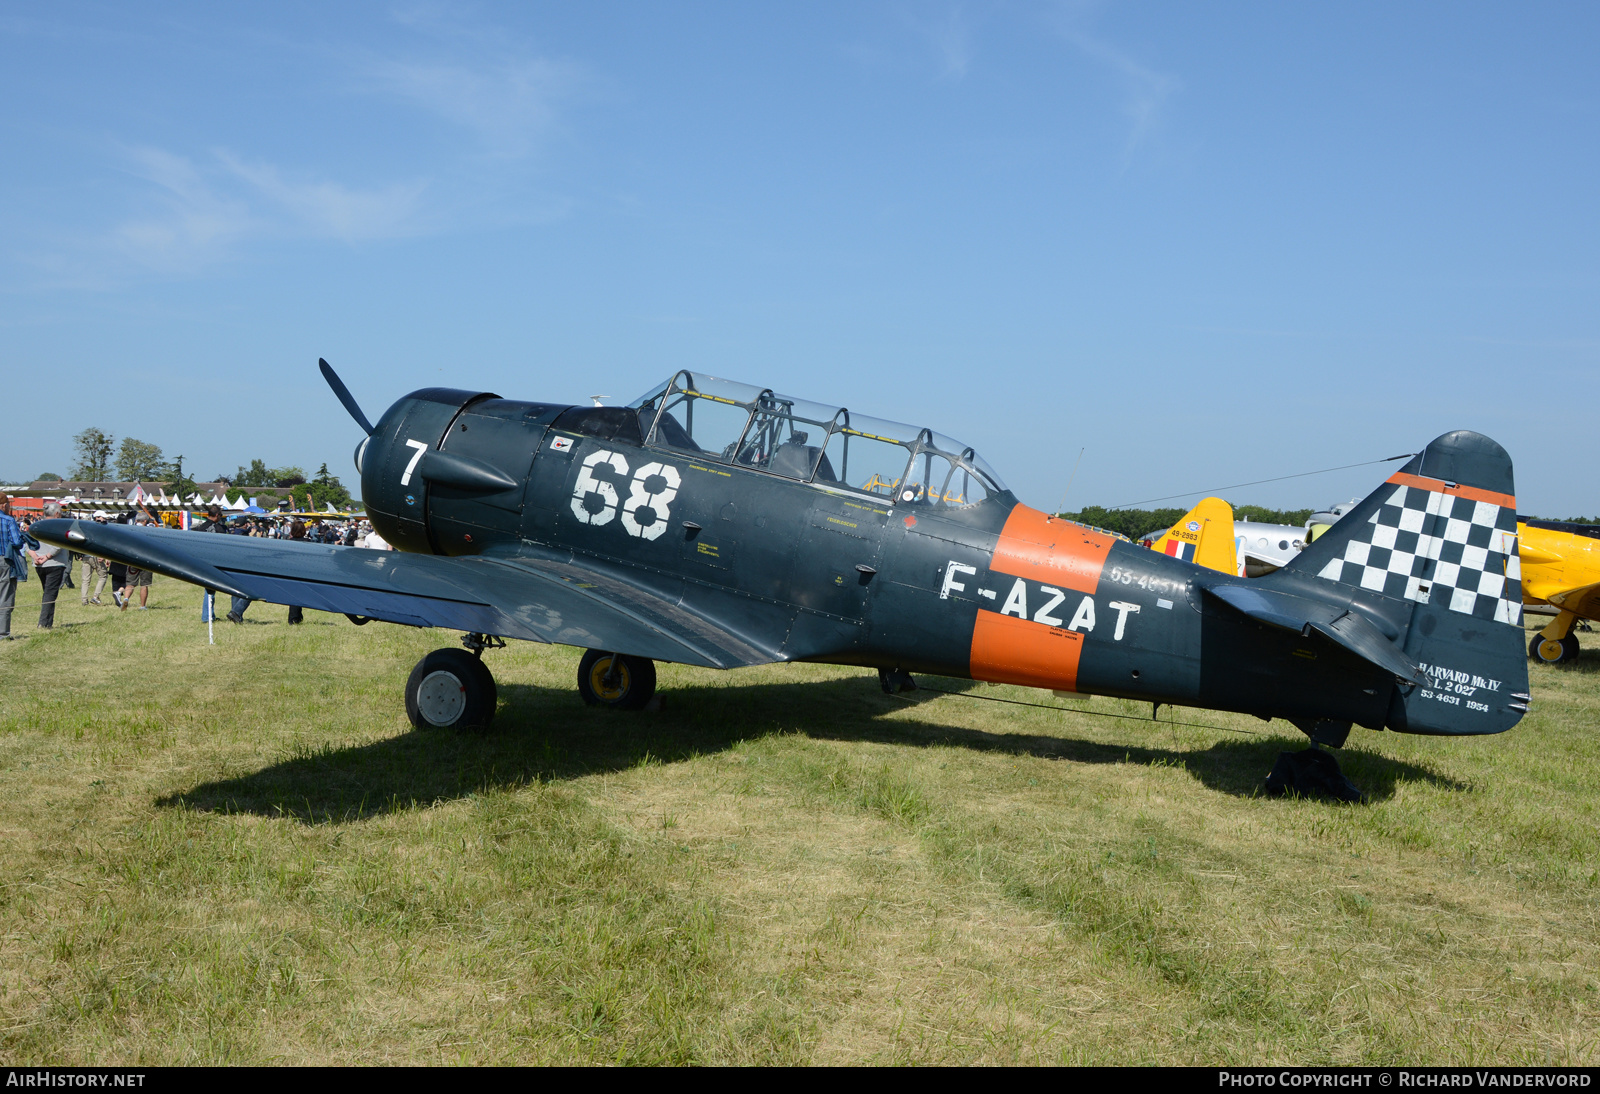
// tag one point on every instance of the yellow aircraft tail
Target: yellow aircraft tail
(1204, 536)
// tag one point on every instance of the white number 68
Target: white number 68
(639, 496)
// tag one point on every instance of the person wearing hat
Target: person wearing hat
(95, 571)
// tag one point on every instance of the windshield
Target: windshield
(728, 422)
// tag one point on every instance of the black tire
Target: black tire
(487, 679)
(450, 689)
(630, 688)
(1555, 651)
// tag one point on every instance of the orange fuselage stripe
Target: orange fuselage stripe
(1053, 552)
(1009, 650)
(1422, 482)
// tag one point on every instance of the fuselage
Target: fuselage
(817, 570)
(1555, 562)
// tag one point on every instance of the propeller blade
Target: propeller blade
(344, 395)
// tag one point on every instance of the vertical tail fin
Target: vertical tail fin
(1438, 541)
(1203, 535)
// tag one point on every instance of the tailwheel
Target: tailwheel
(616, 680)
(450, 689)
(1553, 651)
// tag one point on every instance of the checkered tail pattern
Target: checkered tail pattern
(1433, 547)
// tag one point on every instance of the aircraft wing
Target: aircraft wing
(1584, 600)
(560, 599)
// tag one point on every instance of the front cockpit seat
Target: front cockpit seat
(794, 461)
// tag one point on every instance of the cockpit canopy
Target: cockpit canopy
(726, 422)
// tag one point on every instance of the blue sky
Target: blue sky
(1205, 243)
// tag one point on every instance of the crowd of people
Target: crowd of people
(54, 565)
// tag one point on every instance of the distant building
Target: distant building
(78, 495)
(109, 492)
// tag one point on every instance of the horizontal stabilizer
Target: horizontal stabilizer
(1339, 625)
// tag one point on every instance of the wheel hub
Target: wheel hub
(609, 679)
(441, 698)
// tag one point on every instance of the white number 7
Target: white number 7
(405, 479)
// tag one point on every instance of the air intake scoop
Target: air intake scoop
(464, 473)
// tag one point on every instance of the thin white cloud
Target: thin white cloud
(1146, 89)
(950, 39)
(333, 210)
(187, 210)
(509, 104)
(199, 212)
(192, 225)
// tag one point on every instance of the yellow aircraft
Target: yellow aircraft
(1561, 568)
(1203, 536)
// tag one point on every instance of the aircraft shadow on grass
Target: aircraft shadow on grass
(544, 734)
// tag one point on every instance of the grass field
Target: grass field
(244, 853)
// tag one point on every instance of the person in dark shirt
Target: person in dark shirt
(297, 531)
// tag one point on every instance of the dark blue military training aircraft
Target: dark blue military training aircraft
(717, 524)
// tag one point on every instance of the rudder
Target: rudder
(1203, 535)
(1439, 536)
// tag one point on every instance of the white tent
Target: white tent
(238, 504)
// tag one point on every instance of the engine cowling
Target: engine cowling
(390, 461)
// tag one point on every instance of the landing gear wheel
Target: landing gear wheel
(450, 689)
(1310, 772)
(1553, 651)
(616, 680)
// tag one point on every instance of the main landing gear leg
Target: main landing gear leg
(893, 681)
(1311, 770)
(1556, 644)
(616, 680)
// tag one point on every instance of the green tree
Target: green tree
(1135, 523)
(321, 491)
(48, 476)
(181, 484)
(257, 474)
(138, 460)
(94, 448)
(1297, 517)
(1132, 523)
